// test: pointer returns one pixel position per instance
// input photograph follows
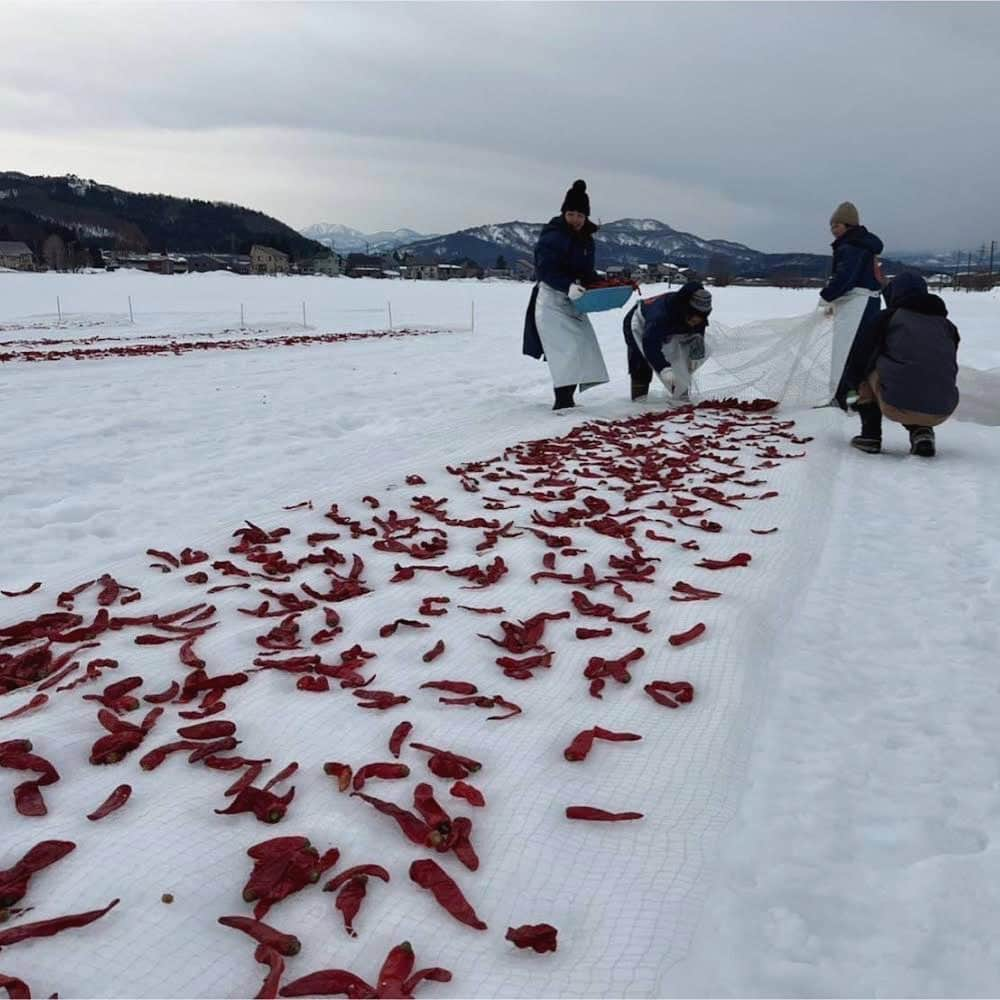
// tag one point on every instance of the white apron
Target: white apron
(569, 341)
(847, 313)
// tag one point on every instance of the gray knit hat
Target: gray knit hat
(701, 301)
(847, 214)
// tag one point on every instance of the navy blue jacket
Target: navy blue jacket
(666, 317)
(913, 346)
(564, 255)
(853, 263)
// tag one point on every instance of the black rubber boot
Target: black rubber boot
(870, 438)
(564, 397)
(640, 389)
(921, 440)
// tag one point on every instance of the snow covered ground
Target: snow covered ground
(819, 821)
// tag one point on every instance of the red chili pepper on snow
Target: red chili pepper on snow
(21, 593)
(540, 937)
(358, 871)
(452, 687)
(472, 795)
(283, 944)
(36, 702)
(414, 828)
(740, 559)
(14, 880)
(164, 696)
(46, 928)
(434, 652)
(208, 730)
(681, 638)
(342, 772)
(430, 875)
(113, 802)
(387, 772)
(593, 633)
(592, 813)
(399, 734)
(670, 693)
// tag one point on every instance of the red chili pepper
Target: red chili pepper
(208, 730)
(387, 772)
(328, 982)
(349, 901)
(399, 734)
(217, 763)
(434, 652)
(483, 611)
(431, 876)
(540, 937)
(17, 989)
(14, 881)
(163, 696)
(315, 684)
(414, 828)
(466, 762)
(512, 709)
(433, 815)
(375, 871)
(681, 638)
(276, 969)
(593, 633)
(591, 813)
(693, 593)
(265, 805)
(207, 749)
(20, 593)
(36, 702)
(252, 773)
(461, 843)
(394, 975)
(342, 772)
(114, 801)
(740, 559)
(46, 928)
(286, 772)
(472, 795)
(283, 944)
(453, 687)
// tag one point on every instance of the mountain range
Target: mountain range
(344, 239)
(625, 242)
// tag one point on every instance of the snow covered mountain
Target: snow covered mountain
(344, 239)
(627, 242)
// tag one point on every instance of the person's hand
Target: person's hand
(576, 291)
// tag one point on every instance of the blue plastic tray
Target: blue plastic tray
(602, 299)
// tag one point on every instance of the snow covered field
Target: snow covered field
(818, 821)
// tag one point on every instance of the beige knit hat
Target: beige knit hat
(847, 214)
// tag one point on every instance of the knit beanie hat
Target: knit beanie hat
(847, 214)
(701, 301)
(576, 199)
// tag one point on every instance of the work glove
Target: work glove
(576, 291)
(826, 308)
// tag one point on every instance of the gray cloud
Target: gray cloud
(740, 120)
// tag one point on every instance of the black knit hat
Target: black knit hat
(576, 199)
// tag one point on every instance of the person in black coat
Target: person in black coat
(906, 367)
(666, 334)
(553, 328)
(854, 273)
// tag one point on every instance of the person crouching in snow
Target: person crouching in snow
(909, 367)
(666, 334)
(553, 329)
(852, 293)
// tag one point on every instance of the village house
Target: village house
(16, 255)
(267, 260)
(328, 264)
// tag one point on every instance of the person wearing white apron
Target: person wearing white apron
(852, 293)
(553, 329)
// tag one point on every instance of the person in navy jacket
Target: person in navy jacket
(854, 276)
(907, 367)
(666, 334)
(553, 329)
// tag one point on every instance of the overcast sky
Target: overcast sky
(742, 121)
